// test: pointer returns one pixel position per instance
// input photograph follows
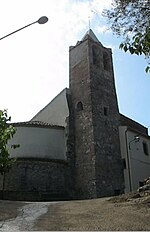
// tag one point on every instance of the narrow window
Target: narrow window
(124, 163)
(79, 106)
(145, 148)
(106, 61)
(105, 111)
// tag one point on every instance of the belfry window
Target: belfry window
(106, 61)
(79, 106)
(95, 53)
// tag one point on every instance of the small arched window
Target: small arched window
(79, 106)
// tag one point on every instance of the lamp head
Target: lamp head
(137, 138)
(42, 20)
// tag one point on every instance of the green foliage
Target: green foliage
(131, 19)
(6, 133)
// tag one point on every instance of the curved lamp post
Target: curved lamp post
(41, 20)
(136, 139)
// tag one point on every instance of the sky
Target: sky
(35, 61)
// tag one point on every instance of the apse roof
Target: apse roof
(35, 123)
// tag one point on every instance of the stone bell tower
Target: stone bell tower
(97, 158)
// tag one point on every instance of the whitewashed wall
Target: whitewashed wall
(137, 162)
(38, 142)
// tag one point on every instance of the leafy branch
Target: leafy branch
(131, 19)
(7, 132)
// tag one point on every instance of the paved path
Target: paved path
(27, 215)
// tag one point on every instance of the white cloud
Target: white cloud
(102, 29)
(99, 5)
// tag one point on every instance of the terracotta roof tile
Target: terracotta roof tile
(35, 123)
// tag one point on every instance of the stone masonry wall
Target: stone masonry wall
(37, 180)
(85, 185)
(105, 118)
(70, 144)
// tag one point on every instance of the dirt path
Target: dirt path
(98, 214)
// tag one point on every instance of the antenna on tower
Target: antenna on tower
(89, 22)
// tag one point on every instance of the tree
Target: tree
(7, 132)
(131, 19)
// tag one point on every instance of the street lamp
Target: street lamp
(41, 20)
(136, 139)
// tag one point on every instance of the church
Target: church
(79, 146)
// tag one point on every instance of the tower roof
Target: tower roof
(91, 34)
